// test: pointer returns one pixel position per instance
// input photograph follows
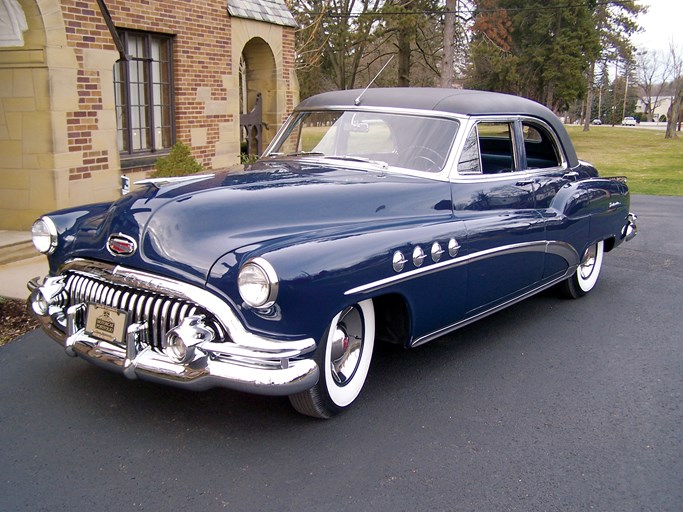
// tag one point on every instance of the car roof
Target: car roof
(452, 101)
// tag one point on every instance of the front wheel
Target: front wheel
(586, 275)
(344, 360)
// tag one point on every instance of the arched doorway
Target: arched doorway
(258, 96)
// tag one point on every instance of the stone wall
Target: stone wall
(57, 106)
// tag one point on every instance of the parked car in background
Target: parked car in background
(628, 121)
(596, 122)
(386, 215)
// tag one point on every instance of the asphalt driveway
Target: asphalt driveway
(549, 405)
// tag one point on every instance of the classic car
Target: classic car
(388, 215)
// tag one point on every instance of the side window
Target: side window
(469, 162)
(497, 147)
(540, 147)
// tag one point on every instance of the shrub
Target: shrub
(179, 162)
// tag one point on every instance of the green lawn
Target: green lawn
(652, 164)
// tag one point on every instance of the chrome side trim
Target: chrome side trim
(561, 249)
(160, 182)
(462, 323)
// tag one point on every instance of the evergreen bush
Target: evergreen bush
(179, 162)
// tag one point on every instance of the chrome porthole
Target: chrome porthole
(399, 261)
(418, 256)
(453, 247)
(436, 252)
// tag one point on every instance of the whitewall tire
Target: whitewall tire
(344, 360)
(586, 276)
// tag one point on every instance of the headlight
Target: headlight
(258, 283)
(44, 235)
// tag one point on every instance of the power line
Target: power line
(473, 11)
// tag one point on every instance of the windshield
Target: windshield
(408, 142)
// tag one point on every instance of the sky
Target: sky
(662, 23)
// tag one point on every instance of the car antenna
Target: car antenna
(357, 100)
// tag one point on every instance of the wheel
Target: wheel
(344, 359)
(586, 275)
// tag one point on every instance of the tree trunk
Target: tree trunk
(448, 45)
(589, 98)
(672, 117)
(404, 50)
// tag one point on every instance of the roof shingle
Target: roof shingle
(270, 11)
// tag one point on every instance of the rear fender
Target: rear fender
(596, 209)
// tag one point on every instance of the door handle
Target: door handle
(525, 182)
(571, 175)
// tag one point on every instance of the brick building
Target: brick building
(93, 89)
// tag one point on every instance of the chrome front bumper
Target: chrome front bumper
(245, 362)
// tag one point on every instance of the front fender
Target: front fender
(317, 277)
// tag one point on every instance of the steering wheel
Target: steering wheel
(425, 159)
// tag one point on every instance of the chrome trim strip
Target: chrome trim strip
(456, 177)
(558, 248)
(385, 110)
(160, 182)
(462, 323)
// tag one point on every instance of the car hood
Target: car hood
(184, 227)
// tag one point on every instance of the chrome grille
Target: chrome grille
(161, 312)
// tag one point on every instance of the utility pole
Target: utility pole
(626, 72)
(614, 91)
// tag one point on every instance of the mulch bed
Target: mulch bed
(15, 319)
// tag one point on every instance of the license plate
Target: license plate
(106, 323)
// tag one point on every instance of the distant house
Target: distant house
(659, 103)
(94, 89)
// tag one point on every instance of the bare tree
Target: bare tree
(331, 40)
(673, 116)
(651, 75)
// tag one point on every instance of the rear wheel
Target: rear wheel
(344, 360)
(586, 276)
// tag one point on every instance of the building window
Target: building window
(144, 94)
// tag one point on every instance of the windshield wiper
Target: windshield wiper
(350, 158)
(306, 153)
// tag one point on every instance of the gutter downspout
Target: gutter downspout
(112, 30)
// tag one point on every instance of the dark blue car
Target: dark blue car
(394, 215)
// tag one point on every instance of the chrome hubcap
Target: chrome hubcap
(588, 263)
(347, 346)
